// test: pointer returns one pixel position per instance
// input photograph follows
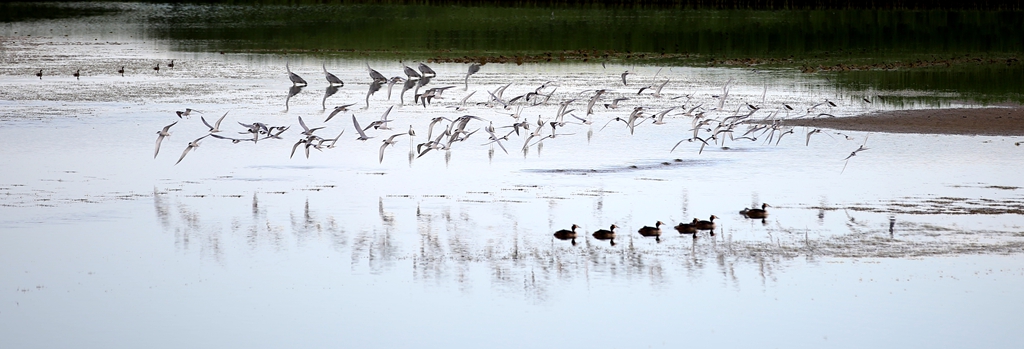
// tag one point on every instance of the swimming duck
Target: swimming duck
(687, 228)
(651, 231)
(706, 225)
(606, 234)
(756, 213)
(654, 231)
(565, 234)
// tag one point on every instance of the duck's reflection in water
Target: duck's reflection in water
(451, 246)
(448, 240)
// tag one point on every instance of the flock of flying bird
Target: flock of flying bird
(692, 228)
(705, 129)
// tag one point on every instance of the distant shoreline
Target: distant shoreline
(989, 121)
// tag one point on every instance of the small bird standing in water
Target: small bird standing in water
(40, 74)
(77, 74)
(121, 71)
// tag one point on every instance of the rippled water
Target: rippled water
(240, 245)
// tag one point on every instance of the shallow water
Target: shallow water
(239, 243)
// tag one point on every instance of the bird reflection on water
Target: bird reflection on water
(443, 240)
(292, 91)
(330, 91)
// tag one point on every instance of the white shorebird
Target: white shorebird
(817, 130)
(165, 132)
(462, 103)
(660, 117)
(362, 136)
(490, 130)
(590, 105)
(191, 145)
(854, 153)
(185, 114)
(337, 110)
(389, 141)
(216, 126)
(306, 130)
(615, 103)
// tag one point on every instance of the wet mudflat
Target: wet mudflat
(241, 244)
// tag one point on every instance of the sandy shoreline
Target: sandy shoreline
(994, 121)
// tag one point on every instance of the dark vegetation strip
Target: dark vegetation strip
(13, 12)
(988, 5)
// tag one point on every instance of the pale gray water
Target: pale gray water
(103, 246)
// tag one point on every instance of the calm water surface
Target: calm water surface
(914, 241)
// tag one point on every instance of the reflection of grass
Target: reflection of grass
(986, 84)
